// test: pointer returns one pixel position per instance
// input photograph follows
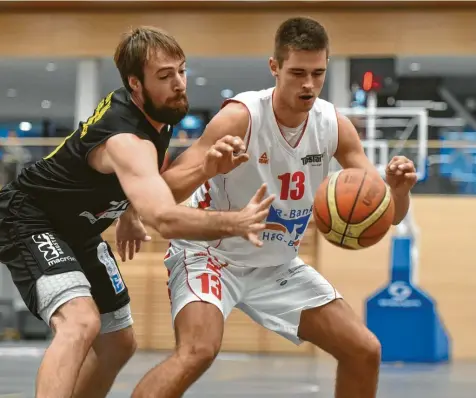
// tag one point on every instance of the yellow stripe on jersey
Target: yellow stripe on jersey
(99, 112)
(101, 109)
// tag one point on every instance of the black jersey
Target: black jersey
(79, 201)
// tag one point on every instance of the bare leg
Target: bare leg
(199, 331)
(336, 329)
(76, 324)
(109, 353)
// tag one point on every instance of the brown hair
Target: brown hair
(301, 34)
(134, 49)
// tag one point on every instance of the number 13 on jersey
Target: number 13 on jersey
(292, 185)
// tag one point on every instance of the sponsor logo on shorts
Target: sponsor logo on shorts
(111, 268)
(292, 272)
(200, 254)
(51, 250)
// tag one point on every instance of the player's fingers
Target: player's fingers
(410, 176)
(131, 249)
(238, 145)
(261, 215)
(259, 195)
(138, 244)
(236, 142)
(214, 153)
(146, 238)
(122, 250)
(397, 169)
(266, 203)
(257, 227)
(223, 147)
(253, 238)
(406, 167)
(395, 162)
(118, 247)
(244, 157)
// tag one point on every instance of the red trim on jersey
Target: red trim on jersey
(167, 254)
(281, 131)
(229, 207)
(188, 282)
(337, 121)
(205, 203)
(226, 102)
(300, 137)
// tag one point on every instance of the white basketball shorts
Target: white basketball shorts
(274, 297)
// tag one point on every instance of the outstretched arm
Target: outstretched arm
(134, 161)
(400, 172)
(216, 151)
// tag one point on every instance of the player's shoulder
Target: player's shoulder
(255, 95)
(255, 102)
(115, 113)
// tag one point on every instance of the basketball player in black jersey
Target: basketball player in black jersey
(52, 215)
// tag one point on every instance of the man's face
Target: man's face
(300, 78)
(163, 90)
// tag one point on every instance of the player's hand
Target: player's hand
(401, 175)
(130, 233)
(249, 223)
(225, 155)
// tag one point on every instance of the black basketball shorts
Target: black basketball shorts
(31, 248)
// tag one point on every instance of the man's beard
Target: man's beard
(165, 114)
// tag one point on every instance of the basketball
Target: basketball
(353, 209)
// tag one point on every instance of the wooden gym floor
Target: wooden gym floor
(254, 376)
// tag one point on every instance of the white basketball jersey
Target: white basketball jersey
(293, 174)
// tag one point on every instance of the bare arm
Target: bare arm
(350, 154)
(130, 214)
(187, 172)
(135, 163)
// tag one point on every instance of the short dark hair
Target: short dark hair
(134, 49)
(301, 34)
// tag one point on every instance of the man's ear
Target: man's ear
(273, 66)
(134, 83)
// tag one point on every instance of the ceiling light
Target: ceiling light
(415, 66)
(200, 81)
(51, 67)
(45, 104)
(227, 93)
(25, 126)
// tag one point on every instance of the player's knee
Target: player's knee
(77, 321)
(198, 354)
(117, 355)
(125, 349)
(372, 351)
(365, 350)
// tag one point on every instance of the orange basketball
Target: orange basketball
(353, 209)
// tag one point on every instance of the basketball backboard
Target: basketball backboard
(389, 132)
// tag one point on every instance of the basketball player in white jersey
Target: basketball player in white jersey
(291, 135)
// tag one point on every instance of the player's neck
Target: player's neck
(157, 125)
(286, 116)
